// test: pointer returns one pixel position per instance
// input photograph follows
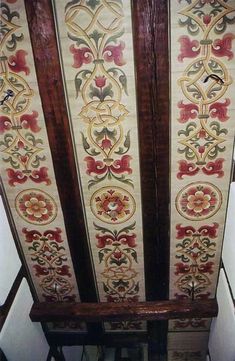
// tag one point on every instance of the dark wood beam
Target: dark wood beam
(47, 63)
(150, 18)
(94, 312)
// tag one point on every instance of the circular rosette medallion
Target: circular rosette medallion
(198, 201)
(113, 205)
(36, 206)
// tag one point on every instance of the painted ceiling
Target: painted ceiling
(95, 42)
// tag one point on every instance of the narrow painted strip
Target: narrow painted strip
(26, 166)
(202, 132)
(97, 58)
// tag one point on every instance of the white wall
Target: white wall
(9, 260)
(222, 335)
(21, 339)
(228, 254)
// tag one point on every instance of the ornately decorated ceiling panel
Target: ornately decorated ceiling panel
(202, 137)
(97, 58)
(26, 166)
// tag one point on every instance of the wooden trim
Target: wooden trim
(46, 57)
(152, 71)
(4, 309)
(95, 312)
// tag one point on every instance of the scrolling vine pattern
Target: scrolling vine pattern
(202, 144)
(203, 140)
(103, 132)
(25, 162)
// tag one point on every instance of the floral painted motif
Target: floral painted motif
(104, 139)
(26, 165)
(36, 207)
(113, 205)
(202, 137)
(194, 254)
(117, 252)
(102, 104)
(198, 201)
(201, 152)
(49, 258)
(20, 148)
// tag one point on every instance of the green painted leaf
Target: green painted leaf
(101, 256)
(115, 37)
(79, 41)
(102, 229)
(123, 81)
(93, 3)
(127, 142)
(107, 92)
(96, 36)
(78, 83)
(95, 92)
(127, 228)
(84, 142)
(134, 255)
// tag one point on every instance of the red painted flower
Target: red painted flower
(202, 133)
(37, 176)
(100, 81)
(115, 53)
(201, 149)
(80, 56)
(106, 143)
(199, 201)
(36, 207)
(126, 239)
(117, 255)
(20, 144)
(24, 159)
(206, 19)
(5, 124)
(50, 235)
(188, 48)
(181, 268)
(187, 111)
(17, 62)
(223, 47)
(29, 121)
(187, 168)
(219, 110)
(118, 166)
(113, 206)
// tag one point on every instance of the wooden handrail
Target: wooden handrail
(93, 312)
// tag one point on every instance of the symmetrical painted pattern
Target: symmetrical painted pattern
(97, 56)
(202, 73)
(26, 166)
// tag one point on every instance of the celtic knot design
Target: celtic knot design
(203, 140)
